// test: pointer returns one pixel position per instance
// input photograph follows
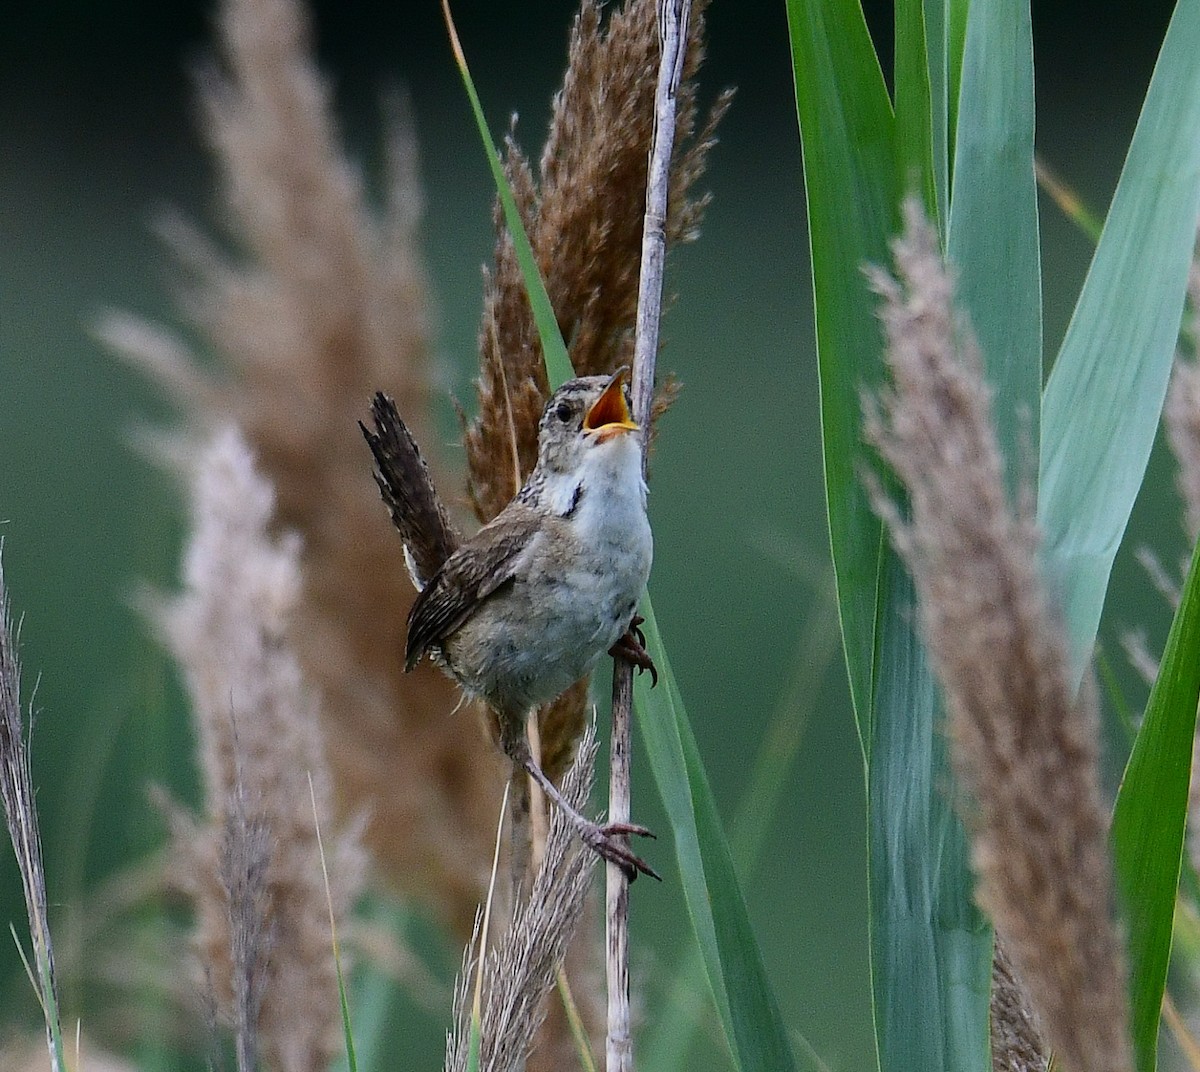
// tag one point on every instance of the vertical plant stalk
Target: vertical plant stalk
(672, 24)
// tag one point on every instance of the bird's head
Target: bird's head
(584, 415)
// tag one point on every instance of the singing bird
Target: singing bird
(528, 605)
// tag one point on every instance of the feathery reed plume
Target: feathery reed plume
(326, 303)
(258, 730)
(519, 972)
(1023, 746)
(244, 861)
(1016, 1039)
(584, 218)
(20, 813)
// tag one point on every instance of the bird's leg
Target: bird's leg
(632, 648)
(607, 840)
(516, 747)
(520, 837)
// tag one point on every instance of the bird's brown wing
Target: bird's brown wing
(407, 488)
(474, 572)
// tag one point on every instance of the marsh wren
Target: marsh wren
(528, 605)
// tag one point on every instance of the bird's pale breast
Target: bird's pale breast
(572, 598)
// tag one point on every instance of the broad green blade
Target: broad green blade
(993, 245)
(745, 1000)
(931, 949)
(1150, 816)
(554, 350)
(956, 34)
(848, 137)
(993, 234)
(1104, 396)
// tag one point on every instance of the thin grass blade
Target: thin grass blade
(347, 1033)
(1105, 393)
(1150, 817)
(993, 239)
(748, 1009)
(920, 106)
(669, 1038)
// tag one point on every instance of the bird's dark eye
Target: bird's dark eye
(563, 411)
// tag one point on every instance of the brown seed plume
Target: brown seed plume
(252, 866)
(326, 304)
(1024, 747)
(584, 218)
(1017, 1044)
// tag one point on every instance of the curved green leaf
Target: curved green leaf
(930, 948)
(1105, 394)
(1150, 817)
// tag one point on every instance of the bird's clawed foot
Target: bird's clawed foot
(610, 842)
(632, 648)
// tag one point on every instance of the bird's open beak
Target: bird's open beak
(609, 415)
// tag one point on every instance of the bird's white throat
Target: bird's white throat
(608, 478)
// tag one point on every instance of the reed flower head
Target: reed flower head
(584, 217)
(1024, 746)
(325, 303)
(252, 866)
(1017, 1044)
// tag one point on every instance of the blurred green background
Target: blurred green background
(98, 132)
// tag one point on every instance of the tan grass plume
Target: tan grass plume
(325, 302)
(251, 864)
(1016, 1035)
(1024, 747)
